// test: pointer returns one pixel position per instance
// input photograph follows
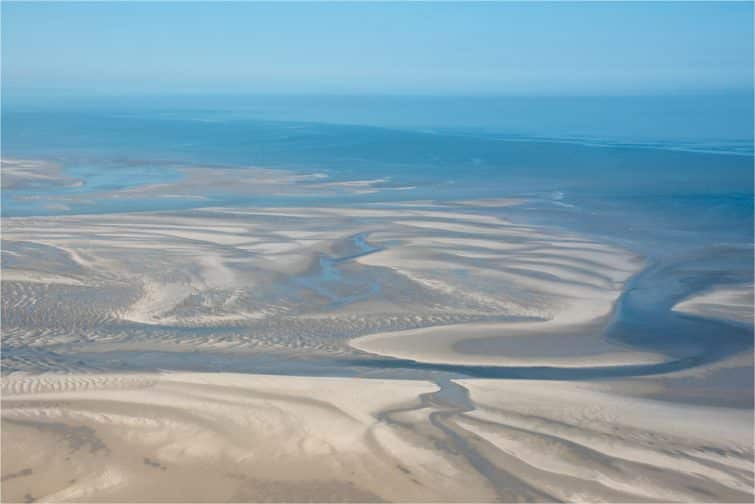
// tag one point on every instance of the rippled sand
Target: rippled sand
(730, 303)
(311, 280)
(585, 442)
(240, 437)
(89, 300)
(220, 437)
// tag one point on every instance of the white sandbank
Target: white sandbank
(584, 442)
(447, 283)
(507, 344)
(733, 303)
(219, 437)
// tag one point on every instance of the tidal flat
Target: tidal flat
(314, 353)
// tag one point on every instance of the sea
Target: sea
(668, 177)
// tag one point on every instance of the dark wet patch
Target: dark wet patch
(19, 474)
(701, 490)
(257, 490)
(77, 437)
(713, 449)
(403, 469)
(154, 463)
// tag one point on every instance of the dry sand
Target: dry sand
(564, 284)
(733, 303)
(585, 442)
(218, 437)
(441, 283)
(450, 283)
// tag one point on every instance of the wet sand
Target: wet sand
(34, 174)
(331, 297)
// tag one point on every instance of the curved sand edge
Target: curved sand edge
(309, 280)
(439, 345)
(729, 303)
(608, 442)
(233, 437)
(221, 437)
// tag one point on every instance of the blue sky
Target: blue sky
(487, 48)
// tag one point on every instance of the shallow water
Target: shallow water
(673, 184)
(431, 148)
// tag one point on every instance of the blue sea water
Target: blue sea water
(444, 147)
(670, 178)
(665, 172)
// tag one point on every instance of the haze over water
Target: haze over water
(434, 146)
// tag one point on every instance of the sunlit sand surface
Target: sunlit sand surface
(473, 284)
(733, 303)
(218, 437)
(584, 442)
(94, 307)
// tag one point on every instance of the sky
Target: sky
(413, 48)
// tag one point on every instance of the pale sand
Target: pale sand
(504, 344)
(444, 283)
(217, 437)
(583, 442)
(434, 284)
(568, 283)
(733, 303)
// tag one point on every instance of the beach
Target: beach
(212, 437)
(312, 354)
(220, 436)
(282, 280)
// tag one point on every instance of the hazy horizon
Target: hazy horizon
(362, 48)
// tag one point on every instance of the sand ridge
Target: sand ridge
(434, 282)
(310, 280)
(220, 436)
(732, 303)
(225, 436)
(586, 441)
